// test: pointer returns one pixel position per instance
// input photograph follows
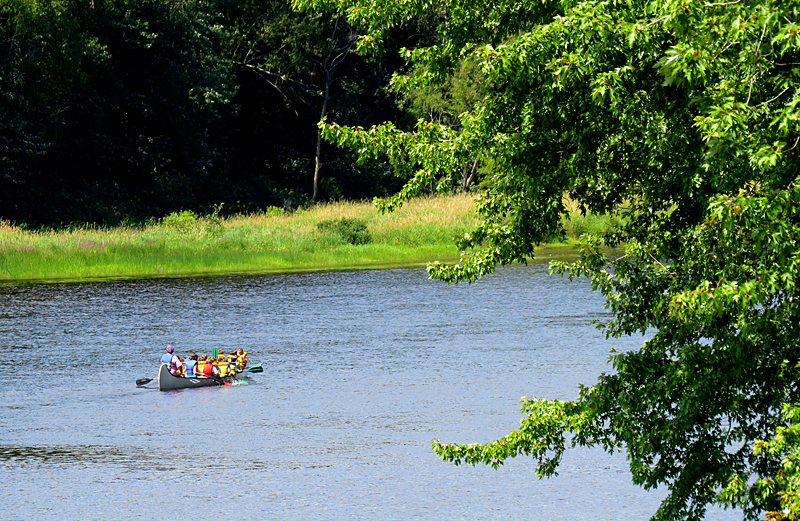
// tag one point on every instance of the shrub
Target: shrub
(353, 231)
(274, 211)
(213, 222)
(183, 221)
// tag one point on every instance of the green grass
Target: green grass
(183, 244)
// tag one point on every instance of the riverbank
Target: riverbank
(326, 237)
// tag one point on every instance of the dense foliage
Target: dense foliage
(681, 115)
(125, 110)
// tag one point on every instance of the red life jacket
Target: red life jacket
(208, 369)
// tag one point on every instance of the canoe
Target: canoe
(168, 382)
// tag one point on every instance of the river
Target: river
(362, 370)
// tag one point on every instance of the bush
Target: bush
(213, 222)
(353, 231)
(274, 211)
(183, 221)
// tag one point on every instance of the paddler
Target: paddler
(208, 367)
(223, 365)
(190, 364)
(166, 358)
(176, 367)
(241, 359)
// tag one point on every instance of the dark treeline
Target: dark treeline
(123, 110)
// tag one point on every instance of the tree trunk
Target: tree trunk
(338, 49)
(318, 155)
(468, 175)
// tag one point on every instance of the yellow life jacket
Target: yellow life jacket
(223, 367)
(241, 360)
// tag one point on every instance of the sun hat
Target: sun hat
(170, 349)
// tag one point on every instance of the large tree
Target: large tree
(681, 115)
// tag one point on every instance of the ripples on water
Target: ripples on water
(363, 369)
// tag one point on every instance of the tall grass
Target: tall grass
(271, 241)
(274, 240)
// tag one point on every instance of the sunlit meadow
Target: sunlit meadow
(183, 244)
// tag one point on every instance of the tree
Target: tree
(339, 45)
(44, 85)
(443, 104)
(167, 92)
(304, 58)
(680, 115)
(108, 108)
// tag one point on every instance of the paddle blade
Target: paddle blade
(256, 369)
(141, 381)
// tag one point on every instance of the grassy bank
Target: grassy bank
(326, 237)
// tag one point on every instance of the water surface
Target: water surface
(363, 369)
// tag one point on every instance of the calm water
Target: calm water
(363, 369)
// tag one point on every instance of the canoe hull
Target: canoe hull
(169, 382)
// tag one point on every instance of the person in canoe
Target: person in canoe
(174, 362)
(223, 365)
(208, 367)
(191, 363)
(177, 367)
(241, 359)
(166, 358)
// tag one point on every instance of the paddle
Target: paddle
(255, 369)
(214, 377)
(252, 369)
(217, 379)
(141, 381)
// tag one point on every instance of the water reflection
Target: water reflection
(61, 456)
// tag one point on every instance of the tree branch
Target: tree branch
(720, 4)
(793, 146)
(652, 23)
(755, 57)
(776, 97)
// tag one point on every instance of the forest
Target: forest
(122, 111)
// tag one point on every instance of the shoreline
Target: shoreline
(546, 253)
